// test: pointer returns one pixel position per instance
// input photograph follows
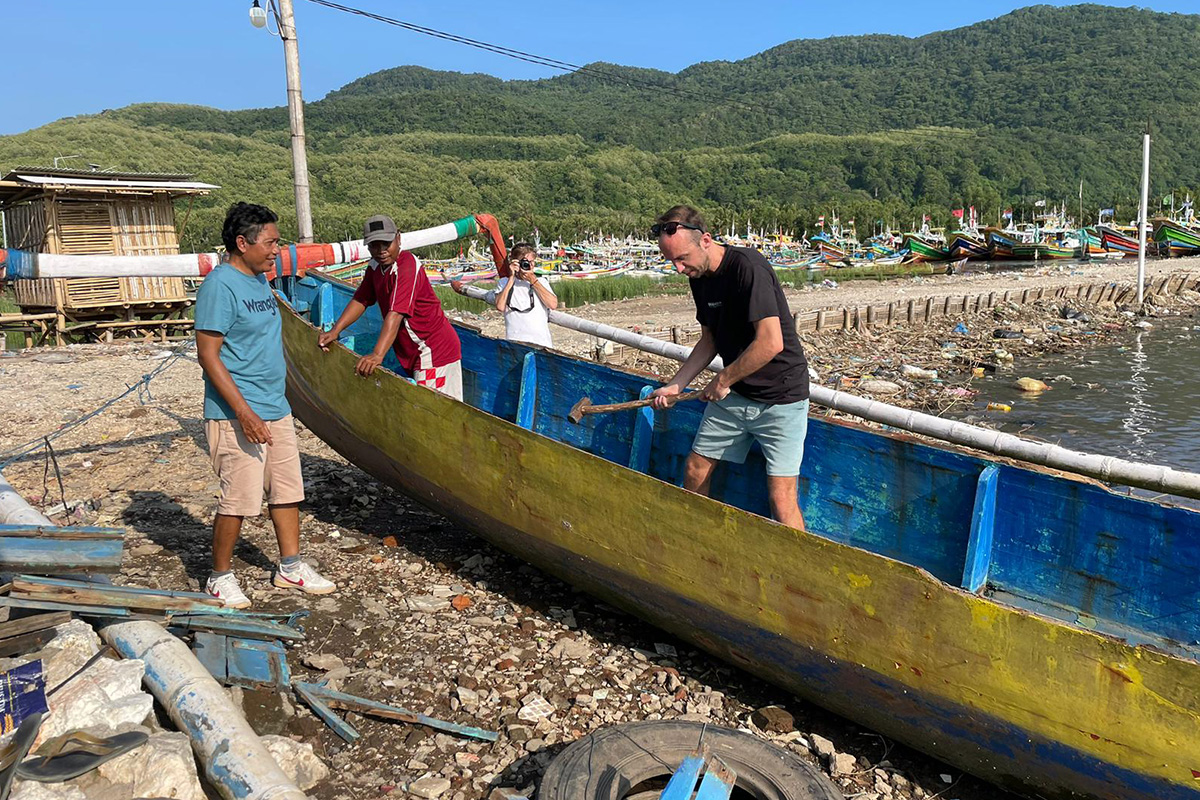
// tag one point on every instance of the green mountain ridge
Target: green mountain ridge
(880, 127)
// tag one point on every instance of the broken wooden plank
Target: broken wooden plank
(340, 726)
(349, 702)
(76, 608)
(26, 643)
(36, 622)
(34, 548)
(59, 590)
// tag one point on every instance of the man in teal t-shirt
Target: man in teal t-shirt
(247, 419)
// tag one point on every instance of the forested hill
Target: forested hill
(1004, 112)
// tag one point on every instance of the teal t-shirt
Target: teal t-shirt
(243, 309)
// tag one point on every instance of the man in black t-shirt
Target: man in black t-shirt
(762, 393)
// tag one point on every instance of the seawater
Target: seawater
(1138, 400)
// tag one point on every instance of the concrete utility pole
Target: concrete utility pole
(291, 54)
(1141, 279)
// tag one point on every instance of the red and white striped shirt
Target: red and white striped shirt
(426, 339)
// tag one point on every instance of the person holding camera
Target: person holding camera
(525, 299)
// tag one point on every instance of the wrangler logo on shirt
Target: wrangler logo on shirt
(258, 306)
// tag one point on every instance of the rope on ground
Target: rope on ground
(141, 387)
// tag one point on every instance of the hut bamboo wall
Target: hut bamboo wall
(124, 225)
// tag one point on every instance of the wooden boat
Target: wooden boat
(967, 245)
(586, 273)
(922, 247)
(1113, 239)
(1176, 239)
(1032, 628)
(1037, 251)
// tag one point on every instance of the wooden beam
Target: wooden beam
(37, 622)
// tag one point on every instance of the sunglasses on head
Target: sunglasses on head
(669, 228)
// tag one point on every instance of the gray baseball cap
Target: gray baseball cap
(379, 228)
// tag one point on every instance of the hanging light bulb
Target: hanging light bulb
(258, 15)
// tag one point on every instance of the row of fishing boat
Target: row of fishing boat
(1050, 236)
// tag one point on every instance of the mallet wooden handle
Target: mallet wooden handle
(604, 409)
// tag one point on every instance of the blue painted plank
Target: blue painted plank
(527, 400)
(57, 532)
(1124, 560)
(643, 434)
(983, 526)
(60, 555)
(323, 308)
(683, 782)
(718, 781)
(209, 649)
(255, 664)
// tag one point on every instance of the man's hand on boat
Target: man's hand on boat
(326, 338)
(368, 364)
(253, 427)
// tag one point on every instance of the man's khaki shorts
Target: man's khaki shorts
(247, 470)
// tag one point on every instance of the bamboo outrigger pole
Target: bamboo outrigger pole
(1106, 468)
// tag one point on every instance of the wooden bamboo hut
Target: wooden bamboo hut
(81, 212)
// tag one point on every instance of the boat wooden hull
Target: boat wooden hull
(921, 250)
(1014, 696)
(963, 245)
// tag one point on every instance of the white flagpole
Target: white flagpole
(1141, 273)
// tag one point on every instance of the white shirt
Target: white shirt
(532, 326)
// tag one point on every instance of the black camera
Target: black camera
(525, 264)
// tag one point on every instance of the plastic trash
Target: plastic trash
(977, 372)
(909, 371)
(1030, 385)
(961, 328)
(1002, 407)
(1000, 333)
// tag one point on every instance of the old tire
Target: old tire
(614, 762)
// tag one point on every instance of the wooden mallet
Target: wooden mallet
(585, 407)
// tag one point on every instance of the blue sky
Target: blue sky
(82, 56)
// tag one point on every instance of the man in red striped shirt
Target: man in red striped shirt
(414, 326)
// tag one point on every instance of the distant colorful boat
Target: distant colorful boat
(1001, 243)
(1116, 241)
(1175, 239)
(924, 247)
(967, 245)
(1038, 251)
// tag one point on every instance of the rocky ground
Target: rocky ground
(429, 617)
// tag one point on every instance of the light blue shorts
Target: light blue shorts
(731, 425)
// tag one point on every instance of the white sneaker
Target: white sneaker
(304, 578)
(227, 590)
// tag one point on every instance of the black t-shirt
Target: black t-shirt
(742, 291)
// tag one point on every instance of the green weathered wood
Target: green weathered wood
(236, 626)
(350, 702)
(340, 726)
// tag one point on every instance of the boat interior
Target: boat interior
(1063, 547)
